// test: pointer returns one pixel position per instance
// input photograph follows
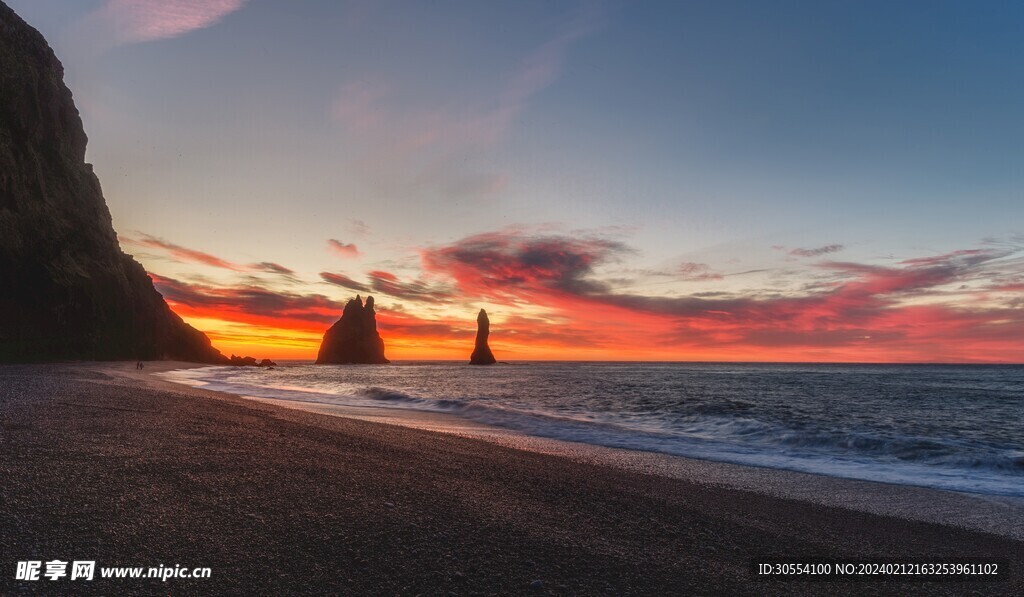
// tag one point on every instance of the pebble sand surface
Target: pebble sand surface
(102, 462)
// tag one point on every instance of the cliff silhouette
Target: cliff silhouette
(67, 291)
(354, 337)
(482, 354)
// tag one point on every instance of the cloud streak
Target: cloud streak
(417, 290)
(187, 255)
(697, 272)
(343, 281)
(183, 253)
(437, 147)
(134, 21)
(272, 268)
(816, 251)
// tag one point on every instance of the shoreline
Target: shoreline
(107, 463)
(997, 514)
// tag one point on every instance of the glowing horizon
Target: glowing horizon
(550, 298)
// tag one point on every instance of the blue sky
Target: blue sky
(722, 134)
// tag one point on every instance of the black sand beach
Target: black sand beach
(103, 463)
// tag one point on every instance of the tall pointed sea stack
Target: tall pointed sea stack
(66, 289)
(482, 354)
(354, 337)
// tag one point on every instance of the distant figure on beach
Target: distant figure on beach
(482, 354)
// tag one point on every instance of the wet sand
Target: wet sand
(102, 462)
(999, 515)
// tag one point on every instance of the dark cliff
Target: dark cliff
(354, 337)
(67, 291)
(482, 354)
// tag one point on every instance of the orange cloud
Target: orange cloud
(249, 304)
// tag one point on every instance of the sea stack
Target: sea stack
(354, 337)
(482, 354)
(67, 291)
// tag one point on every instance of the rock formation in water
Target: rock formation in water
(238, 361)
(482, 354)
(354, 337)
(66, 289)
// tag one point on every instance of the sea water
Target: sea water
(942, 426)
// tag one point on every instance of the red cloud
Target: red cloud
(313, 314)
(343, 249)
(508, 266)
(249, 304)
(866, 313)
(549, 301)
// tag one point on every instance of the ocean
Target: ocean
(949, 427)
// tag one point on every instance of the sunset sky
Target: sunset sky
(743, 181)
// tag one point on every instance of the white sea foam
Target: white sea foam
(889, 425)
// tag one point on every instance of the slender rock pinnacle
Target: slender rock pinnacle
(482, 354)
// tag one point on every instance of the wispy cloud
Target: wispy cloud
(816, 251)
(343, 249)
(358, 105)
(183, 253)
(272, 268)
(694, 272)
(133, 21)
(187, 255)
(544, 65)
(358, 228)
(436, 147)
(416, 290)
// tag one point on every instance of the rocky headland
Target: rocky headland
(67, 291)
